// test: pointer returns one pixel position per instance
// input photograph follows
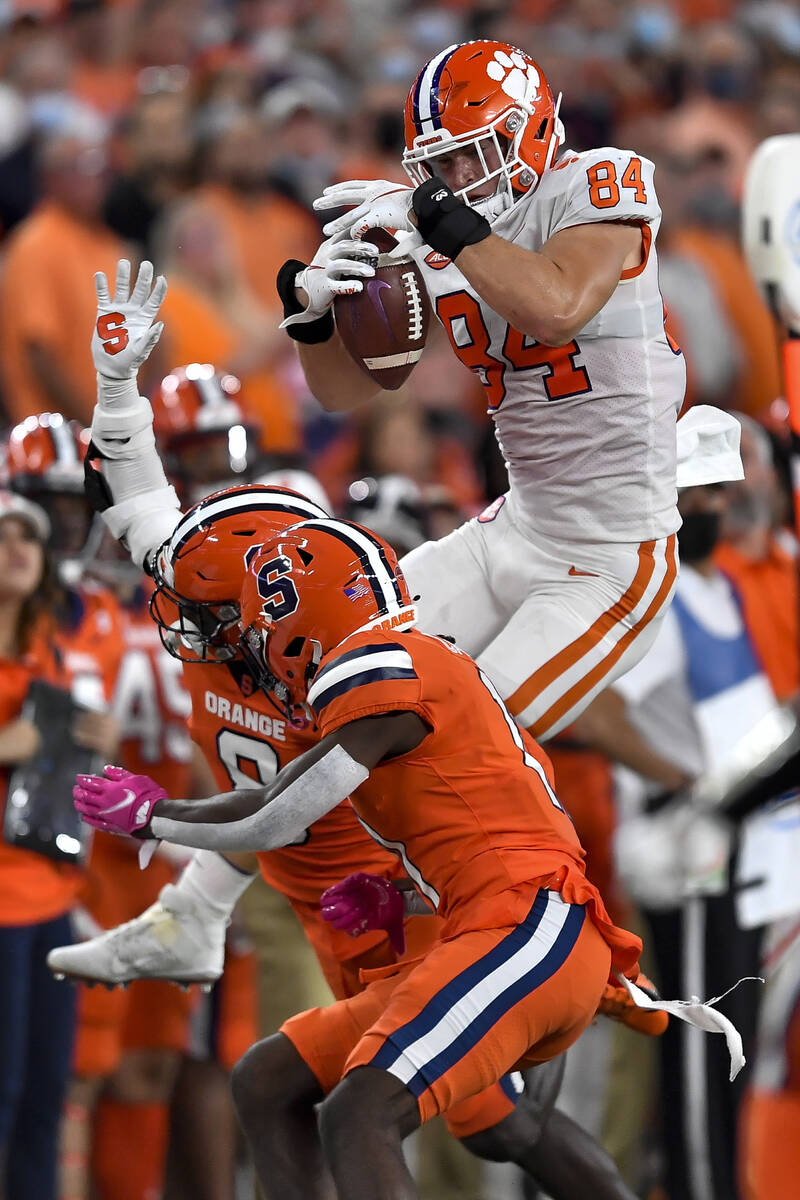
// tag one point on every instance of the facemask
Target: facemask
(698, 536)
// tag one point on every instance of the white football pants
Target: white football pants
(551, 623)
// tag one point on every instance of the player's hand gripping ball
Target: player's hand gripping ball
(117, 801)
(385, 326)
(361, 903)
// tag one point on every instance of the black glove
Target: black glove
(95, 487)
(311, 333)
(446, 223)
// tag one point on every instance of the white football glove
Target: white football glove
(124, 333)
(335, 270)
(381, 204)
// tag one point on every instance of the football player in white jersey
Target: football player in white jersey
(540, 264)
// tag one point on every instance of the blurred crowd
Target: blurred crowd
(197, 133)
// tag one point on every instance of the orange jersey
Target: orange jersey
(89, 641)
(32, 888)
(81, 654)
(471, 811)
(152, 706)
(246, 739)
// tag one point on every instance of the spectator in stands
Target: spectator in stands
(157, 150)
(212, 315)
(761, 561)
(37, 1014)
(263, 228)
(47, 296)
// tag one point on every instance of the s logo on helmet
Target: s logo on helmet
(276, 588)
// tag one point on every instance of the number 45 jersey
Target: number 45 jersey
(587, 429)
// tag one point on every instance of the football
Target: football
(385, 326)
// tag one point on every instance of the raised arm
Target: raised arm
(125, 477)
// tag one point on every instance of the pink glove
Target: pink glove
(364, 902)
(119, 803)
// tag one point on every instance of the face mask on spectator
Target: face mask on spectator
(698, 536)
(727, 81)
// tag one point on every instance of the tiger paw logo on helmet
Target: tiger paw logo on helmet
(517, 76)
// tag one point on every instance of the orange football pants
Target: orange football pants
(476, 1007)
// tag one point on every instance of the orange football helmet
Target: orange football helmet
(490, 96)
(204, 435)
(308, 589)
(199, 571)
(42, 459)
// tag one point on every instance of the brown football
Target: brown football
(385, 326)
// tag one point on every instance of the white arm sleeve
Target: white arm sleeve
(146, 508)
(326, 783)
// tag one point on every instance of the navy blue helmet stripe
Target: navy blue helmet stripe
(338, 530)
(435, 110)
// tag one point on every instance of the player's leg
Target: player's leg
(362, 1125)
(514, 1123)
(275, 1092)
(131, 1122)
(279, 1081)
(180, 937)
(476, 1003)
(449, 580)
(98, 1051)
(204, 1145)
(770, 1128)
(582, 624)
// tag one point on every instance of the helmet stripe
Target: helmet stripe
(247, 500)
(426, 103)
(372, 556)
(436, 112)
(415, 102)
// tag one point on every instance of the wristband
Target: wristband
(311, 333)
(446, 223)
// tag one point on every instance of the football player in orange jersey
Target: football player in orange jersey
(130, 1043)
(246, 739)
(206, 437)
(526, 947)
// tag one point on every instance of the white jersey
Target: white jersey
(587, 429)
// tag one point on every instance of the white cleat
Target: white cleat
(172, 940)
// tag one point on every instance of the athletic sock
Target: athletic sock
(213, 882)
(129, 1150)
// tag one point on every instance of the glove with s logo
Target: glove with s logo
(124, 333)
